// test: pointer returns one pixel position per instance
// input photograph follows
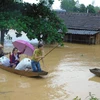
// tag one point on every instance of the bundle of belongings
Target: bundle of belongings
(24, 64)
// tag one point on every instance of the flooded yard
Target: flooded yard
(68, 77)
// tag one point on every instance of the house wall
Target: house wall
(98, 38)
(77, 38)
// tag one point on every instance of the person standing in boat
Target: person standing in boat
(14, 57)
(36, 57)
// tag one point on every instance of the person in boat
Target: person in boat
(36, 57)
(25, 64)
(2, 53)
(14, 57)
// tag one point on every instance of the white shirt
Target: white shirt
(16, 56)
(25, 63)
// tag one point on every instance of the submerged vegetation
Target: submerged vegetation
(90, 97)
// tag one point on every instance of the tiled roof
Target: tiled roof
(85, 32)
(83, 21)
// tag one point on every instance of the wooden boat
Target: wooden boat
(95, 71)
(24, 73)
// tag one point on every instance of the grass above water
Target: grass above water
(90, 97)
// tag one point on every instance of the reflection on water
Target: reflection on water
(3, 78)
(24, 84)
(68, 77)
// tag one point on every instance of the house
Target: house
(82, 27)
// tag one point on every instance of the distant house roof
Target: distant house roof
(59, 10)
(81, 32)
(20, 1)
(81, 21)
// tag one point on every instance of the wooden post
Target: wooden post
(2, 37)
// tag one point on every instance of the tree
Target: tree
(37, 20)
(91, 9)
(76, 9)
(46, 23)
(97, 9)
(74, 6)
(82, 8)
(68, 5)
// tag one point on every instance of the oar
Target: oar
(49, 52)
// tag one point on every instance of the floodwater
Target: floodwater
(68, 77)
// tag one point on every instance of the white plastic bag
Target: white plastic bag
(4, 61)
(25, 63)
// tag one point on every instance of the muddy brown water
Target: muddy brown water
(68, 77)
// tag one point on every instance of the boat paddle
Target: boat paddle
(48, 52)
